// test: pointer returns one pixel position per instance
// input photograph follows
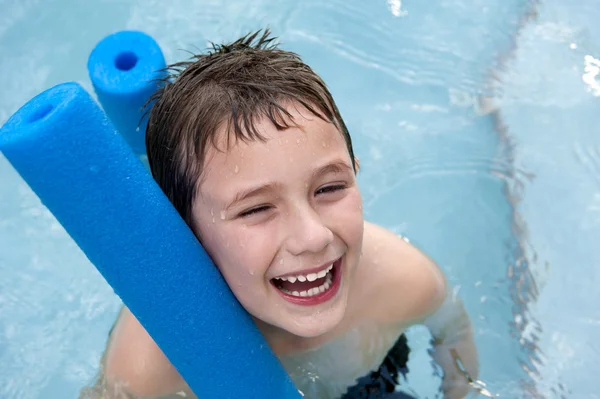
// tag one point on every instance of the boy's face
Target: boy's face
(283, 221)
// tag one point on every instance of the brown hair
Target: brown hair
(235, 84)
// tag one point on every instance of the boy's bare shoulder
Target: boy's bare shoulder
(135, 364)
(409, 284)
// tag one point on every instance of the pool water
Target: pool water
(476, 124)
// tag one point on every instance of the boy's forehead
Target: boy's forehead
(232, 160)
(226, 141)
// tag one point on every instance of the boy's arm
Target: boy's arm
(454, 347)
(135, 367)
(419, 294)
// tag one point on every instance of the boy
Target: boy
(249, 146)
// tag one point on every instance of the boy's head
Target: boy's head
(248, 144)
(234, 85)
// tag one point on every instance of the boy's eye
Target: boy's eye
(254, 210)
(330, 189)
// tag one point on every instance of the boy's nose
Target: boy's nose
(307, 233)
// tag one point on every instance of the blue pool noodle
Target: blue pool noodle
(125, 69)
(64, 147)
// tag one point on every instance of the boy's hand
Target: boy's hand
(454, 347)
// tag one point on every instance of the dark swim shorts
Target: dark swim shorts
(383, 382)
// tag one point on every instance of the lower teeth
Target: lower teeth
(313, 291)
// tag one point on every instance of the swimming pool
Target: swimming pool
(475, 124)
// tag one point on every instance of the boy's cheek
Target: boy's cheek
(347, 219)
(350, 209)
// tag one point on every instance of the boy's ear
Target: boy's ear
(356, 164)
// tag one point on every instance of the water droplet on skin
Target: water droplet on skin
(298, 141)
(212, 212)
(252, 272)
(236, 169)
(281, 261)
(324, 145)
(213, 219)
(222, 215)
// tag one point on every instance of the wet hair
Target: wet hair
(232, 86)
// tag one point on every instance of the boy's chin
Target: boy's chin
(315, 325)
(307, 323)
(311, 332)
(300, 327)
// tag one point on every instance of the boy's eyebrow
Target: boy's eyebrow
(242, 195)
(337, 166)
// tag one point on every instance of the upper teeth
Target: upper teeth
(305, 277)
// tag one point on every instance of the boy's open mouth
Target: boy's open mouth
(311, 288)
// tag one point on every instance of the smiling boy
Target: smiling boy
(249, 146)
